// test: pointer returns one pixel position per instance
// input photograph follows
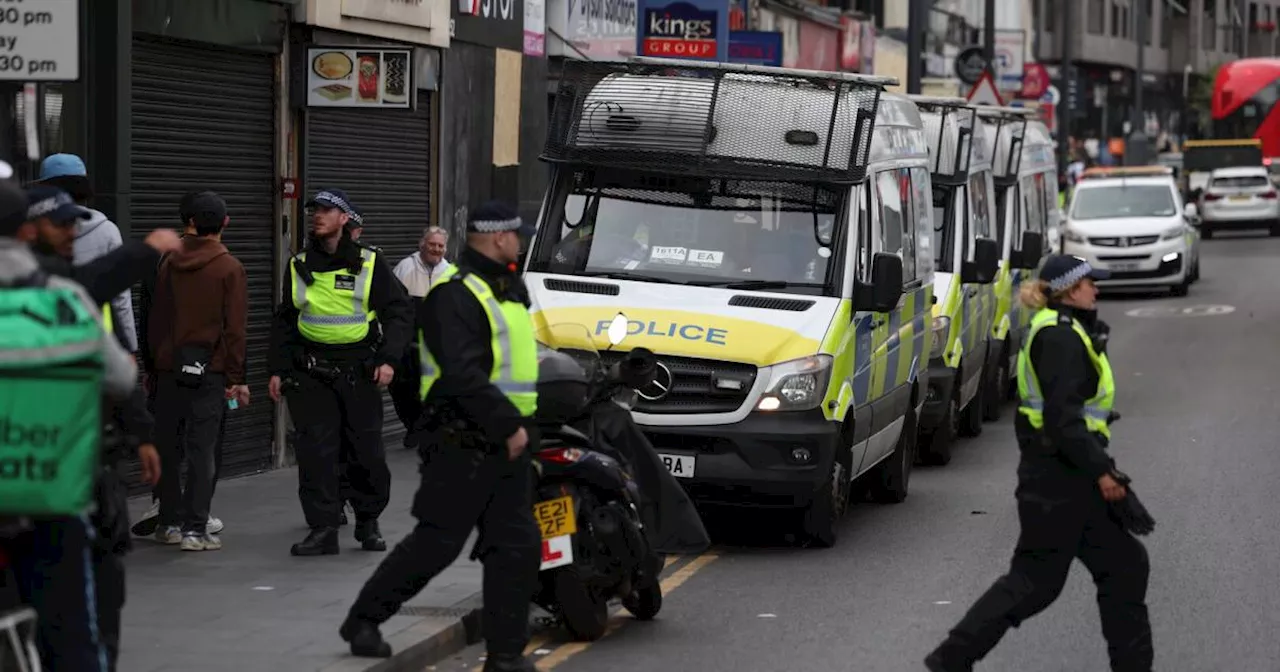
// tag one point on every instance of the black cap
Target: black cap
(337, 198)
(208, 210)
(44, 200)
(495, 217)
(13, 207)
(1063, 270)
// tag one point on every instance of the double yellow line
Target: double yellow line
(568, 650)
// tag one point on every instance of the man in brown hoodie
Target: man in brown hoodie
(196, 334)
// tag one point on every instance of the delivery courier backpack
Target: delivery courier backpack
(51, 374)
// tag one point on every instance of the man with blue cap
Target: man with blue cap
(339, 331)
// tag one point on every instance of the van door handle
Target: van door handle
(970, 291)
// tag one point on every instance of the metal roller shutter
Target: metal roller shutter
(204, 118)
(382, 159)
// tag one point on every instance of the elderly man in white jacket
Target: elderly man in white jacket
(417, 272)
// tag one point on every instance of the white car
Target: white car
(1132, 223)
(1239, 198)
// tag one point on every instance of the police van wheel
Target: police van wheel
(890, 481)
(832, 501)
(995, 388)
(971, 418)
(937, 444)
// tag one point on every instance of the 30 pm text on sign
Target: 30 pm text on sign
(39, 40)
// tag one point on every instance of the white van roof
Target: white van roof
(899, 132)
(948, 128)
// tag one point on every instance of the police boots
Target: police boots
(506, 662)
(365, 639)
(369, 535)
(321, 541)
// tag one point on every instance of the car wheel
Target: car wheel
(891, 478)
(1183, 288)
(829, 505)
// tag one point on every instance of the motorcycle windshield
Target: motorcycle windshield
(571, 338)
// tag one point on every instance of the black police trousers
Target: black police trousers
(1055, 530)
(461, 490)
(324, 414)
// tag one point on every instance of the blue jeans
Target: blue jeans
(53, 565)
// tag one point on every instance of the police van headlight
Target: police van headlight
(797, 385)
(1072, 236)
(1172, 234)
(941, 334)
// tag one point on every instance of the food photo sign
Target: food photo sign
(359, 77)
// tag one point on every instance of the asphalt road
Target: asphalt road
(1199, 436)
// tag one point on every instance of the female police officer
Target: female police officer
(1065, 481)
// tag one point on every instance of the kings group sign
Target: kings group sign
(693, 29)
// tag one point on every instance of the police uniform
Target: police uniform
(326, 346)
(1067, 391)
(478, 384)
(346, 455)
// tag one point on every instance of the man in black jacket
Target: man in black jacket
(325, 342)
(476, 471)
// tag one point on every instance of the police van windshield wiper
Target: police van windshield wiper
(628, 275)
(757, 284)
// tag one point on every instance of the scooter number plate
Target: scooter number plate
(555, 517)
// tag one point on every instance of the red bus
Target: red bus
(1245, 97)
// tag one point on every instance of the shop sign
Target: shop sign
(492, 23)
(818, 47)
(850, 50)
(598, 30)
(756, 47)
(359, 77)
(40, 41)
(535, 27)
(400, 12)
(692, 29)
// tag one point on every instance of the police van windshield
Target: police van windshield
(707, 232)
(1122, 201)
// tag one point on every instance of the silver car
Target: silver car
(1239, 198)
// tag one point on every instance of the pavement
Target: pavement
(1198, 389)
(252, 607)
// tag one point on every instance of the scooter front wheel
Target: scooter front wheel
(644, 603)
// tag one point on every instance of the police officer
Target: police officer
(1065, 482)
(346, 456)
(326, 344)
(479, 372)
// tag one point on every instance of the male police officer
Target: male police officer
(325, 341)
(479, 372)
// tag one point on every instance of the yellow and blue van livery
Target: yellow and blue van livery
(760, 228)
(1025, 176)
(966, 255)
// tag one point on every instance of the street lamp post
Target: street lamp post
(1137, 147)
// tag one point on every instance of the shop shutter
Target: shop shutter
(204, 118)
(382, 160)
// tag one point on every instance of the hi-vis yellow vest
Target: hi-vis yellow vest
(1096, 410)
(515, 351)
(334, 308)
(108, 324)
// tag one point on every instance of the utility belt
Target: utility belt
(331, 371)
(442, 425)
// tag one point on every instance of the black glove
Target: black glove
(1129, 512)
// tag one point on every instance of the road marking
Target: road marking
(669, 584)
(1187, 311)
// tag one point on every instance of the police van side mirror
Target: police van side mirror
(1028, 256)
(986, 260)
(885, 289)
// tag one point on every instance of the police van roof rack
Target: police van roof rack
(1011, 129)
(951, 156)
(718, 120)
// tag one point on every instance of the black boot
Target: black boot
(946, 660)
(320, 541)
(365, 639)
(369, 536)
(506, 662)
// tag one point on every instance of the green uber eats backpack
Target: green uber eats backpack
(51, 372)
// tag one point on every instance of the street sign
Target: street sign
(1035, 80)
(40, 41)
(970, 64)
(984, 92)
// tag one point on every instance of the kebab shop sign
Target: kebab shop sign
(691, 29)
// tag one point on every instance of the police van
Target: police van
(965, 257)
(764, 231)
(1025, 175)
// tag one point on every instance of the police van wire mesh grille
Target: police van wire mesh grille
(949, 131)
(1009, 133)
(713, 121)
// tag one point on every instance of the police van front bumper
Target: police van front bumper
(777, 460)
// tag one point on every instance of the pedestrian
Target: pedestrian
(196, 332)
(147, 523)
(95, 236)
(479, 396)
(69, 568)
(425, 267)
(327, 343)
(1065, 482)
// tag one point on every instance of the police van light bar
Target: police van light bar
(1127, 171)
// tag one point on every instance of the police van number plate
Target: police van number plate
(680, 466)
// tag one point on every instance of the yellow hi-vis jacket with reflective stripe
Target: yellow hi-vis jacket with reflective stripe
(108, 323)
(334, 308)
(1097, 409)
(515, 351)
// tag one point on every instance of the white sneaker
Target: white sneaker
(146, 525)
(214, 525)
(170, 534)
(200, 542)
